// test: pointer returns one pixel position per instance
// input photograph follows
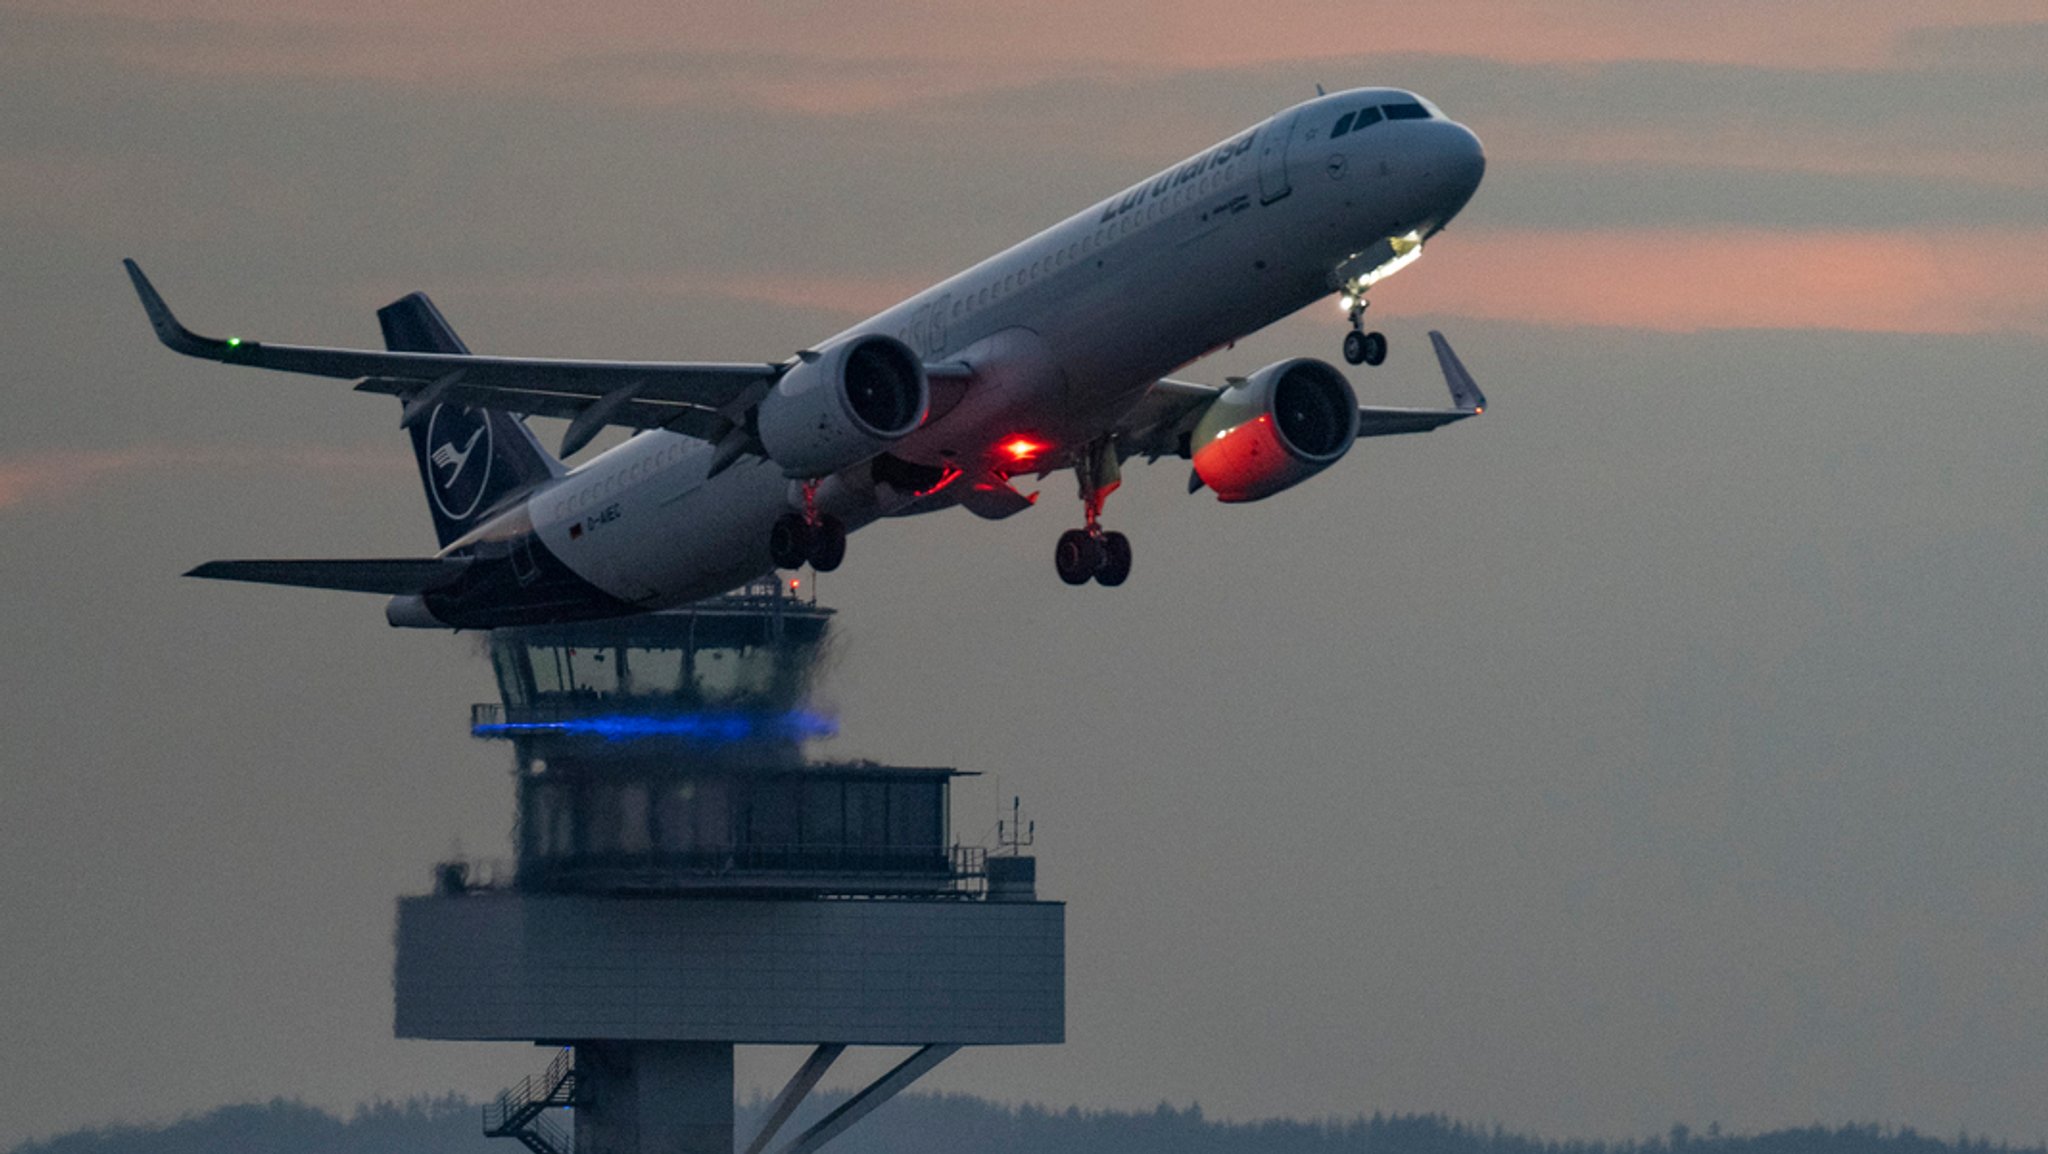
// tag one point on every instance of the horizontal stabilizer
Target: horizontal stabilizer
(397, 576)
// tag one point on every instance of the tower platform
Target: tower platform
(510, 966)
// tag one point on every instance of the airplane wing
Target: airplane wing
(1159, 423)
(403, 575)
(1374, 421)
(1163, 419)
(701, 398)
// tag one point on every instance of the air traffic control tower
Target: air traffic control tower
(687, 881)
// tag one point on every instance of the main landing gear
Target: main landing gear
(1361, 347)
(808, 538)
(1093, 551)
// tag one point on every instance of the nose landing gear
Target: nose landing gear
(1104, 555)
(1365, 348)
(808, 538)
(1361, 347)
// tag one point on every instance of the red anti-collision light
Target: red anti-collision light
(1022, 448)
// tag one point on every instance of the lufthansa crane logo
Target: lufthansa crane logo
(458, 459)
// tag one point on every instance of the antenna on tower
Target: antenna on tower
(1014, 836)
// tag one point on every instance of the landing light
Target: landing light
(1407, 250)
(1401, 251)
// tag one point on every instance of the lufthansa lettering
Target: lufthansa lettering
(1161, 185)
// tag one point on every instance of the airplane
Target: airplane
(1052, 354)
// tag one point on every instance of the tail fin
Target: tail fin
(471, 460)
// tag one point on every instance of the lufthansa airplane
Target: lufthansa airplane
(1049, 355)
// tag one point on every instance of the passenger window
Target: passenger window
(1406, 112)
(1343, 125)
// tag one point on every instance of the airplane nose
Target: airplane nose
(1463, 163)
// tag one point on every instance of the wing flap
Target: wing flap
(393, 576)
(637, 413)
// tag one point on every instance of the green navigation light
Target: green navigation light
(234, 342)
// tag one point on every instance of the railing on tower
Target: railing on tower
(959, 871)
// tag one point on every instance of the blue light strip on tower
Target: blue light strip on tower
(705, 728)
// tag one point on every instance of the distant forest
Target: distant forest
(949, 1124)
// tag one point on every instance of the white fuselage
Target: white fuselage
(1065, 332)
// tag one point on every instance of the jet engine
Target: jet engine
(1272, 431)
(843, 405)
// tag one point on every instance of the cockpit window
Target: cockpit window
(1406, 112)
(1354, 121)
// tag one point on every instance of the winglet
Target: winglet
(174, 335)
(1464, 391)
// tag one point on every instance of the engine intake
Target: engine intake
(1279, 427)
(852, 401)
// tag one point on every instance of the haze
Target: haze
(1664, 746)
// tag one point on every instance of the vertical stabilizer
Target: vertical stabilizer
(471, 460)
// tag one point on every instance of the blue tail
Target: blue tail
(471, 460)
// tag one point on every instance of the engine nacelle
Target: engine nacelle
(1274, 430)
(850, 402)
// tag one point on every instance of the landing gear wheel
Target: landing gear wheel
(1354, 347)
(1116, 559)
(1372, 347)
(789, 542)
(1078, 556)
(828, 544)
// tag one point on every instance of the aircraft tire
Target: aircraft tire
(1116, 560)
(1077, 557)
(828, 544)
(789, 542)
(1354, 347)
(1373, 346)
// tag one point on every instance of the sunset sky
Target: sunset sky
(1665, 746)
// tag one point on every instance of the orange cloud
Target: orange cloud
(56, 474)
(865, 54)
(1785, 147)
(1969, 281)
